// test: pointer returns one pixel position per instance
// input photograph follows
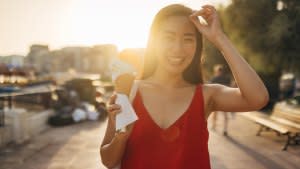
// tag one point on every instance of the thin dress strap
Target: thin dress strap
(133, 90)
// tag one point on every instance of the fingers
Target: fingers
(198, 13)
(126, 132)
(113, 113)
(208, 13)
(194, 18)
(209, 7)
(112, 99)
(205, 12)
(113, 108)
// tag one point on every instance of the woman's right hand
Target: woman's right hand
(114, 142)
(114, 109)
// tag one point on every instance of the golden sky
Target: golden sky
(60, 23)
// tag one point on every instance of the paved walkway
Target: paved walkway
(77, 147)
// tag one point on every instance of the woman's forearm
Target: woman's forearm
(113, 145)
(111, 154)
(251, 86)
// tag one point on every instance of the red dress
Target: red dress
(183, 145)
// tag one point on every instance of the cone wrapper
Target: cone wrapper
(123, 78)
(127, 115)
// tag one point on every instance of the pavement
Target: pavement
(77, 147)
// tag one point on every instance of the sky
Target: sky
(61, 23)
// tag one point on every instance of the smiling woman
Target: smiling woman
(172, 102)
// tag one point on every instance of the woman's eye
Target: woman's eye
(168, 38)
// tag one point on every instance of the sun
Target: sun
(91, 23)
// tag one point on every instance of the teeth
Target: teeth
(175, 60)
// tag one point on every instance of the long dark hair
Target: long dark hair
(193, 73)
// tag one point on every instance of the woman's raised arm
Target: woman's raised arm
(251, 93)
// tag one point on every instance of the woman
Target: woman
(172, 102)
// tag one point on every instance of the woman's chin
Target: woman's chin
(174, 70)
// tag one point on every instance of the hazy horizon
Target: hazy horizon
(62, 23)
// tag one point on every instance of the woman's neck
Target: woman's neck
(168, 80)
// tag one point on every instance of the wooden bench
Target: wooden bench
(284, 120)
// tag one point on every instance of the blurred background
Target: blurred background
(55, 70)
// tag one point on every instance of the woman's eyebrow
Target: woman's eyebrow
(169, 32)
(173, 33)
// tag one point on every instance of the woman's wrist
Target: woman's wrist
(220, 40)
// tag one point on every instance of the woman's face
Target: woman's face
(175, 44)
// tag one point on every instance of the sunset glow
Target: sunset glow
(60, 23)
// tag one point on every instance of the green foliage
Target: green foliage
(267, 38)
(266, 34)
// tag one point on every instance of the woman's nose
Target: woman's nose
(177, 47)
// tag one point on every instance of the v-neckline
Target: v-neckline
(176, 121)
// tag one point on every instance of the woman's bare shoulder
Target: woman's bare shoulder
(210, 89)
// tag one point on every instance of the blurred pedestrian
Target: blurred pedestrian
(220, 77)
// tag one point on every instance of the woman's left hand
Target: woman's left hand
(212, 30)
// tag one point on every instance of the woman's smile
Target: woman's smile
(175, 61)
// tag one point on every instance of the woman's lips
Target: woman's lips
(175, 60)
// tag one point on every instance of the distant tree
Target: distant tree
(267, 34)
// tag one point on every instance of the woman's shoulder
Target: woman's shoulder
(210, 89)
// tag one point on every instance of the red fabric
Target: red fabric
(184, 145)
